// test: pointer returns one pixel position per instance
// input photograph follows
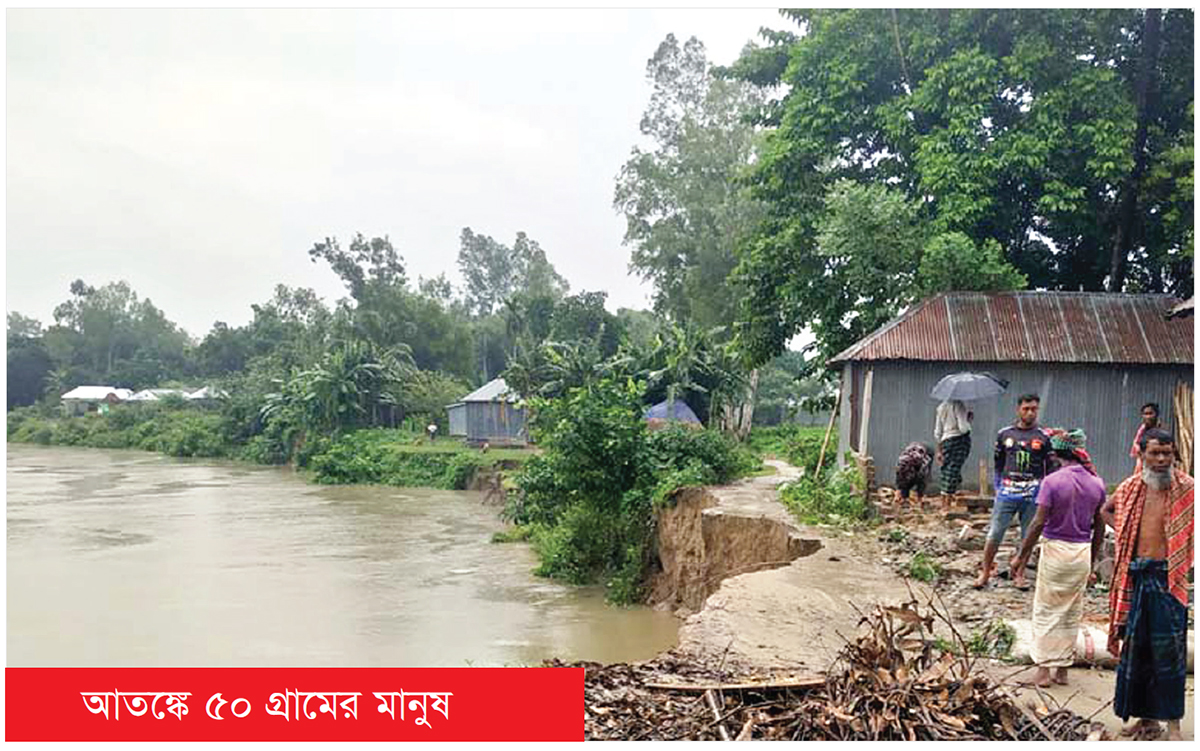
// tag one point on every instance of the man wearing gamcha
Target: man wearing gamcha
(1152, 514)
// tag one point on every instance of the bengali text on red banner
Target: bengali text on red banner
(293, 704)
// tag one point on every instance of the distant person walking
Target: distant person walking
(1150, 419)
(952, 434)
(1020, 454)
(1152, 513)
(1071, 528)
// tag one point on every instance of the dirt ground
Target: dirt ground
(791, 621)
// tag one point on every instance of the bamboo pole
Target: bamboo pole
(711, 698)
(837, 406)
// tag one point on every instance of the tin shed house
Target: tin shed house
(1093, 358)
(490, 413)
(84, 399)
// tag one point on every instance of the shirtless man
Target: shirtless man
(1152, 515)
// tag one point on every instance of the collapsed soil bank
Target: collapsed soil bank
(710, 534)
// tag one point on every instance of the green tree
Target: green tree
(684, 208)
(29, 364)
(1013, 127)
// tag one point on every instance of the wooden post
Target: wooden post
(837, 405)
(864, 425)
(984, 487)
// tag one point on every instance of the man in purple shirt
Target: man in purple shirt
(1072, 531)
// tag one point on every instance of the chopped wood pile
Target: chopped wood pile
(891, 683)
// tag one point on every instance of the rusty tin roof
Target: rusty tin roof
(1081, 327)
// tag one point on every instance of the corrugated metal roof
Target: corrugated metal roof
(493, 391)
(1095, 327)
(95, 393)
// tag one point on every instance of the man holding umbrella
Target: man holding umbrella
(952, 429)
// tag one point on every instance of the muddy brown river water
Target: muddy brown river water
(119, 558)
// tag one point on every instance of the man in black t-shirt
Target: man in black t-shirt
(1021, 453)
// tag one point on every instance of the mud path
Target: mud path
(787, 618)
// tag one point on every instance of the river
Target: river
(122, 558)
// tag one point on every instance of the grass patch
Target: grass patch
(897, 534)
(516, 534)
(390, 457)
(922, 568)
(995, 641)
(797, 445)
(831, 499)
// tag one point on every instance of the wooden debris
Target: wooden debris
(798, 683)
(891, 683)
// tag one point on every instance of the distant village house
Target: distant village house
(490, 414)
(84, 399)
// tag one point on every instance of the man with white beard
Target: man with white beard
(1151, 513)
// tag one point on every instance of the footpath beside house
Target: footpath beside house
(1093, 358)
(84, 399)
(489, 414)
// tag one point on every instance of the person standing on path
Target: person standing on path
(1069, 522)
(952, 436)
(1021, 452)
(1152, 514)
(1150, 419)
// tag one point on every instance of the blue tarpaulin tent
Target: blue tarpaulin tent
(681, 411)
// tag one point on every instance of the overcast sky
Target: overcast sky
(199, 154)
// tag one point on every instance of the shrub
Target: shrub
(384, 457)
(590, 495)
(797, 445)
(831, 499)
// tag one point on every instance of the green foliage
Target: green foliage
(386, 457)
(797, 445)
(921, 568)
(514, 534)
(185, 432)
(953, 262)
(494, 272)
(589, 497)
(995, 640)
(897, 534)
(1015, 128)
(831, 499)
(683, 204)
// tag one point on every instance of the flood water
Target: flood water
(119, 558)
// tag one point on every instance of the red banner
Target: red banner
(293, 704)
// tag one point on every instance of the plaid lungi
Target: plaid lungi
(1153, 669)
(954, 454)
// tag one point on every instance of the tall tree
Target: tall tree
(29, 365)
(494, 272)
(684, 208)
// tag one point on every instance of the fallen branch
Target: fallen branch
(798, 683)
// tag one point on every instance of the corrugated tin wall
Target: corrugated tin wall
(1103, 400)
(495, 422)
(458, 419)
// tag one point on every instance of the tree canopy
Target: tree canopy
(1052, 146)
(684, 209)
